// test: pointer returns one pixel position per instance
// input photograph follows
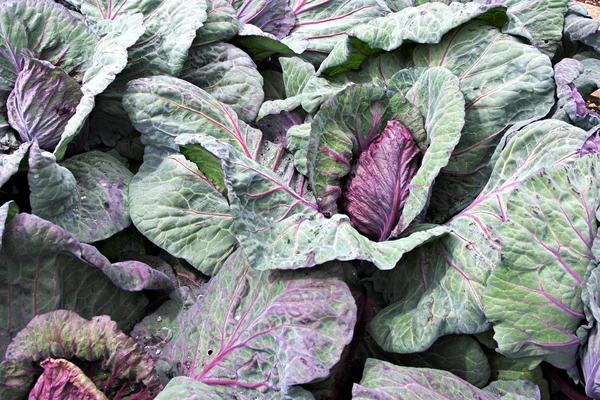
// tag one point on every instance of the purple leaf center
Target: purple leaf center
(378, 186)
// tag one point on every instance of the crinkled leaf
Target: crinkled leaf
(504, 83)
(378, 186)
(42, 102)
(436, 93)
(170, 29)
(376, 68)
(533, 296)
(589, 81)
(87, 195)
(175, 206)
(43, 268)
(344, 127)
(437, 289)
(112, 360)
(540, 22)
(164, 107)
(256, 333)
(280, 229)
(426, 23)
(184, 388)
(382, 380)
(325, 23)
(274, 17)
(228, 74)
(317, 90)
(64, 380)
(580, 28)
(221, 23)
(174, 203)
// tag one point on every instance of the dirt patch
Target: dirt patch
(591, 2)
(593, 7)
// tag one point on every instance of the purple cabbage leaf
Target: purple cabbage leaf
(42, 102)
(571, 104)
(377, 189)
(118, 367)
(64, 380)
(435, 94)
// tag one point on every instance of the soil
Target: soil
(593, 7)
(591, 2)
